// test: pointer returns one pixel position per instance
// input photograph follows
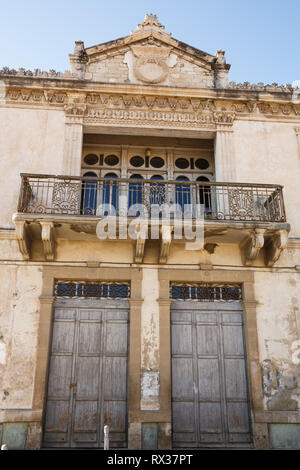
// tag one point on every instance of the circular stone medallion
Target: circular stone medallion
(151, 70)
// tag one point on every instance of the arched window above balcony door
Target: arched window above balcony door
(135, 190)
(110, 193)
(182, 191)
(89, 194)
(205, 194)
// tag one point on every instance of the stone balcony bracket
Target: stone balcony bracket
(274, 246)
(249, 236)
(274, 240)
(23, 238)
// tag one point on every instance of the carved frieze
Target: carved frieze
(26, 95)
(163, 118)
(75, 109)
(185, 111)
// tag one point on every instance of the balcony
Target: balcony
(251, 215)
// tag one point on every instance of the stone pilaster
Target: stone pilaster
(224, 156)
(74, 112)
(72, 147)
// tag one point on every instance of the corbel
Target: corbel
(140, 244)
(275, 246)
(252, 245)
(48, 240)
(166, 238)
(23, 238)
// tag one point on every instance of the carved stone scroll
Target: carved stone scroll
(252, 246)
(23, 239)
(48, 240)
(165, 243)
(274, 246)
(140, 244)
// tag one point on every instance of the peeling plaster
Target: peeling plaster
(150, 391)
(296, 352)
(281, 391)
(2, 352)
(150, 320)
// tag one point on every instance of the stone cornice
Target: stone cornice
(105, 103)
(69, 81)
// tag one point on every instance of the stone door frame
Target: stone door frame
(217, 276)
(47, 299)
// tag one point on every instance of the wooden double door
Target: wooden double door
(210, 400)
(88, 379)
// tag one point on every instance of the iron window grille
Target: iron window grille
(83, 289)
(206, 292)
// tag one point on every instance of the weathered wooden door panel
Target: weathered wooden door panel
(87, 385)
(210, 404)
(209, 380)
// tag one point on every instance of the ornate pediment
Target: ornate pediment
(149, 55)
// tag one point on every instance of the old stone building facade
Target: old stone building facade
(170, 344)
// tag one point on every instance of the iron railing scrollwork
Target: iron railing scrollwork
(84, 196)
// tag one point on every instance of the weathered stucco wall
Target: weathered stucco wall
(226, 255)
(31, 141)
(267, 152)
(278, 321)
(110, 70)
(20, 288)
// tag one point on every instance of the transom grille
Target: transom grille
(105, 290)
(206, 292)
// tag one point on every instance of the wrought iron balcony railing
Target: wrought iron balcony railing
(83, 196)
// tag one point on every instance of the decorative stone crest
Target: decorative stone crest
(150, 64)
(151, 22)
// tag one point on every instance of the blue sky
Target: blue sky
(261, 38)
